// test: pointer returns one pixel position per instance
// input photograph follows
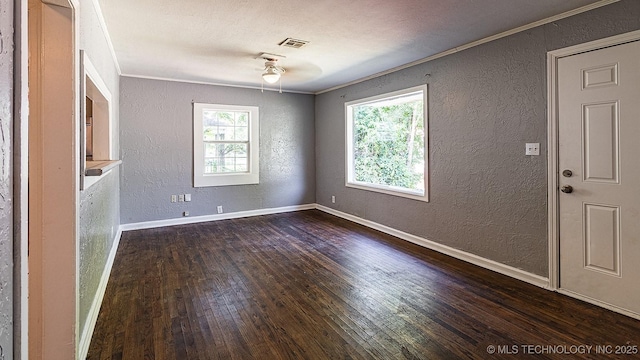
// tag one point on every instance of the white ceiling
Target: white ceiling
(216, 41)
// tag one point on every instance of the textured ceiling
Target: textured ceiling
(216, 41)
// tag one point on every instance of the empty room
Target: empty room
(411, 179)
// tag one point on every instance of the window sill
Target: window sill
(99, 168)
(389, 190)
(96, 171)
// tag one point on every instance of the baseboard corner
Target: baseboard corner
(492, 265)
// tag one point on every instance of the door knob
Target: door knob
(567, 189)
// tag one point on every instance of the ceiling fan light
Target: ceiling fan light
(271, 75)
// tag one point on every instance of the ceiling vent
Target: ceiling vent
(294, 43)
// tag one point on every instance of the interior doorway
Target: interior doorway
(594, 176)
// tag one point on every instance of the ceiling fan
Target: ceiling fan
(297, 69)
(272, 71)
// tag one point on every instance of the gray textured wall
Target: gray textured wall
(99, 214)
(156, 144)
(487, 197)
(99, 225)
(6, 189)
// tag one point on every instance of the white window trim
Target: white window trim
(200, 179)
(349, 139)
(89, 73)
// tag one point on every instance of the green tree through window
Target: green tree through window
(226, 144)
(387, 146)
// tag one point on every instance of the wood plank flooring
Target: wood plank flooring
(308, 285)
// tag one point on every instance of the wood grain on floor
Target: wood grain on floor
(308, 285)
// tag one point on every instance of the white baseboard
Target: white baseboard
(456, 253)
(599, 303)
(205, 218)
(87, 332)
(92, 318)
(507, 270)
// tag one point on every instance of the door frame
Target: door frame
(553, 199)
(52, 207)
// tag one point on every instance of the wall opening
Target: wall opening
(96, 148)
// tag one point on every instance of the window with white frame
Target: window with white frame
(226, 144)
(387, 143)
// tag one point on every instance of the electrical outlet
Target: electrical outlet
(187, 197)
(186, 213)
(180, 198)
(333, 199)
(174, 198)
(532, 149)
(219, 209)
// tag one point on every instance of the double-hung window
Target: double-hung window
(387, 143)
(226, 144)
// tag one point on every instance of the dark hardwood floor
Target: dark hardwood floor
(308, 285)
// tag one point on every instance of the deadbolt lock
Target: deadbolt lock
(567, 173)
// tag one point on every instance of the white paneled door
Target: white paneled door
(599, 163)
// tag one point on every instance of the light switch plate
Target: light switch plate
(532, 149)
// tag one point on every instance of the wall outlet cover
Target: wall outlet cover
(532, 149)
